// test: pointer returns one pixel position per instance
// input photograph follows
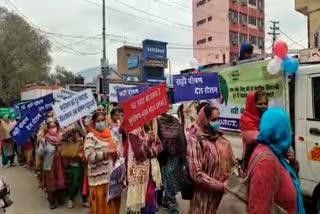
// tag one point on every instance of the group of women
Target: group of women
(273, 177)
(81, 158)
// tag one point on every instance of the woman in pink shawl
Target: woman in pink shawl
(210, 159)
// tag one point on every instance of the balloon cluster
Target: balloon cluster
(282, 60)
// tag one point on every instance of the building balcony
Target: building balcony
(302, 6)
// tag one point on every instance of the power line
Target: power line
(150, 14)
(91, 2)
(167, 20)
(54, 42)
(295, 42)
(182, 5)
(170, 5)
(179, 26)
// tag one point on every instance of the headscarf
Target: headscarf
(168, 121)
(251, 117)
(54, 139)
(202, 123)
(275, 132)
(104, 135)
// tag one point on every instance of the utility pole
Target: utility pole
(274, 32)
(105, 69)
(104, 28)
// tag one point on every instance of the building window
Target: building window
(253, 40)
(252, 20)
(200, 42)
(243, 18)
(201, 22)
(233, 16)
(210, 39)
(253, 2)
(233, 38)
(243, 38)
(243, 2)
(261, 5)
(209, 18)
(260, 43)
(260, 24)
(200, 3)
(316, 40)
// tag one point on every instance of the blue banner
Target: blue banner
(201, 86)
(27, 126)
(229, 123)
(124, 93)
(43, 104)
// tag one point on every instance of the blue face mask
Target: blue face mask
(100, 125)
(215, 124)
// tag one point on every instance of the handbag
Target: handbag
(235, 198)
(70, 150)
(186, 182)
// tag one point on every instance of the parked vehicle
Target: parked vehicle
(301, 97)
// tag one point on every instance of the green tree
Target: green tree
(24, 55)
(62, 75)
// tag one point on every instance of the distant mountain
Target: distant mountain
(91, 74)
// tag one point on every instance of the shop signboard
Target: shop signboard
(154, 50)
(133, 61)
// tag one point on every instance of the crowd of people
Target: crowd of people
(161, 157)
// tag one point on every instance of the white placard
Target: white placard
(113, 87)
(62, 94)
(72, 109)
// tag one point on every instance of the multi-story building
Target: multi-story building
(311, 9)
(221, 26)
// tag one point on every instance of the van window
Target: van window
(316, 97)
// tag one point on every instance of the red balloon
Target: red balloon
(280, 49)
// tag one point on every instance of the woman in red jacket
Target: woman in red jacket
(272, 177)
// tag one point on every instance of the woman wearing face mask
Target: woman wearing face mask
(54, 176)
(210, 159)
(256, 104)
(100, 151)
(272, 178)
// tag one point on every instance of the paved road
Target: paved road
(29, 199)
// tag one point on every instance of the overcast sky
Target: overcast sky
(79, 18)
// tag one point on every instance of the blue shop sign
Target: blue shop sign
(133, 61)
(154, 50)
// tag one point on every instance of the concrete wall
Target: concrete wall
(311, 9)
(218, 29)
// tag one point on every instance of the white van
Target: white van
(302, 100)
